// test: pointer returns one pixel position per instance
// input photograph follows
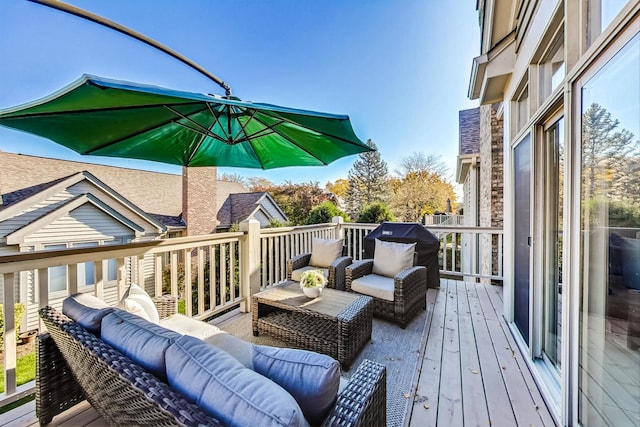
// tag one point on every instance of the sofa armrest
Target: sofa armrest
(56, 388)
(337, 272)
(357, 270)
(363, 402)
(296, 262)
(166, 305)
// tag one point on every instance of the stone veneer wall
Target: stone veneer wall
(491, 180)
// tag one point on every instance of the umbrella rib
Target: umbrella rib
(132, 135)
(292, 141)
(99, 110)
(195, 150)
(198, 125)
(243, 128)
(267, 113)
(216, 117)
(205, 132)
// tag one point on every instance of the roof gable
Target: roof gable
(19, 236)
(31, 198)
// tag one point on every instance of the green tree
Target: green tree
(421, 188)
(297, 200)
(606, 154)
(368, 181)
(376, 213)
(339, 187)
(324, 213)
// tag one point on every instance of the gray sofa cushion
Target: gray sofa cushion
(87, 310)
(142, 341)
(220, 385)
(311, 378)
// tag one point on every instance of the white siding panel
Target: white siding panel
(33, 213)
(272, 210)
(84, 223)
(262, 218)
(84, 187)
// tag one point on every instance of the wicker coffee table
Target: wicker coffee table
(336, 323)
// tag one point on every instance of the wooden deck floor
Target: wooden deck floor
(472, 373)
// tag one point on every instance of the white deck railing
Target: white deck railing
(224, 270)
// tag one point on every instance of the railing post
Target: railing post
(250, 262)
(338, 232)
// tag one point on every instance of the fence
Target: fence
(211, 274)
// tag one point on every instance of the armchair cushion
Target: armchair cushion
(295, 274)
(390, 258)
(375, 286)
(87, 310)
(311, 378)
(224, 388)
(325, 251)
(136, 300)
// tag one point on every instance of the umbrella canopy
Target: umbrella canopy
(105, 117)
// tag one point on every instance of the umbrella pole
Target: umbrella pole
(124, 30)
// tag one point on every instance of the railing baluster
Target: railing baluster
(188, 290)
(158, 274)
(232, 270)
(10, 347)
(200, 260)
(223, 273)
(213, 280)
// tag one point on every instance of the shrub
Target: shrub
(376, 213)
(324, 213)
(19, 312)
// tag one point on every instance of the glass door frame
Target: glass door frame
(530, 135)
(598, 57)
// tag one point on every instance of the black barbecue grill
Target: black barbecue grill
(427, 245)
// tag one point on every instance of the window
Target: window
(600, 13)
(57, 275)
(86, 271)
(552, 70)
(522, 108)
(610, 238)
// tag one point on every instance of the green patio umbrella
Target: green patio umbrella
(105, 117)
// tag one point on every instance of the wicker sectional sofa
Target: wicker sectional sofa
(75, 364)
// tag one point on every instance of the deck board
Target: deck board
(471, 373)
(473, 395)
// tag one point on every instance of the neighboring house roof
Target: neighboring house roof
(238, 207)
(156, 196)
(469, 128)
(25, 212)
(469, 122)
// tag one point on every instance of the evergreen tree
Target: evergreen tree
(368, 181)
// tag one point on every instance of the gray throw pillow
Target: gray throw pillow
(311, 378)
(221, 386)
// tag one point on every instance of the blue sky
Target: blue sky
(399, 69)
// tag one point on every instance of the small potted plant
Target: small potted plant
(312, 282)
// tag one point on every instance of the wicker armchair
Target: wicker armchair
(409, 294)
(336, 271)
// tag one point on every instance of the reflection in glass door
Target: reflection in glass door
(522, 234)
(609, 353)
(552, 302)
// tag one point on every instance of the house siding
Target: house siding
(86, 223)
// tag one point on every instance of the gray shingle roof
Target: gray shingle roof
(469, 123)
